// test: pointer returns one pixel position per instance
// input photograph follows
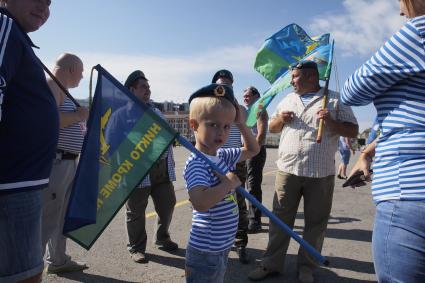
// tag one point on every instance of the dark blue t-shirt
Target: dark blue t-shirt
(29, 121)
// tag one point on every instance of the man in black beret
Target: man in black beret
(157, 184)
(225, 77)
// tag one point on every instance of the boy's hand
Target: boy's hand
(230, 180)
(240, 115)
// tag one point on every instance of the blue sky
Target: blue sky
(180, 44)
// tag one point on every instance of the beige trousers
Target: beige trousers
(317, 194)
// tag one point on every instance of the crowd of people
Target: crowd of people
(36, 180)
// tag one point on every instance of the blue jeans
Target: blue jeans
(20, 235)
(399, 241)
(205, 267)
(345, 156)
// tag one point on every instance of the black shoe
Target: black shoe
(243, 256)
(167, 245)
(340, 177)
(254, 227)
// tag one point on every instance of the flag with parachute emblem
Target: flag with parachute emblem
(286, 47)
(125, 138)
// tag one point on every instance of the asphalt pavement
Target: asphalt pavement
(347, 244)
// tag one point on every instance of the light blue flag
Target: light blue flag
(319, 51)
(287, 46)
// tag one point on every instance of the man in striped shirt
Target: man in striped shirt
(241, 241)
(306, 168)
(69, 72)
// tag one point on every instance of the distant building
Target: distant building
(177, 116)
(179, 120)
(272, 140)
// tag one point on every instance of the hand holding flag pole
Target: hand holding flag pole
(324, 103)
(263, 209)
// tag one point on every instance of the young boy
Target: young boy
(213, 109)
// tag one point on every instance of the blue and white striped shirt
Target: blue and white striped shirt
(215, 229)
(234, 139)
(71, 138)
(374, 130)
(394, 80)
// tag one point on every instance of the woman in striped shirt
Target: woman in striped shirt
(394, 80)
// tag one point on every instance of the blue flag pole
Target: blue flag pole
(263, 209)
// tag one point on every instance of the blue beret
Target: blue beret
(307, 64)
(214, 90)
(222, 74)
(133, 77)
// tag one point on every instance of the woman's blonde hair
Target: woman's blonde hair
(201, 106)
(415, 7)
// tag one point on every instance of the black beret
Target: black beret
(214, 90)
(133, 77)
(308, 64)
(254, 91)
(222, 74)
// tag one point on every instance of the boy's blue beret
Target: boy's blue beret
(214, 90)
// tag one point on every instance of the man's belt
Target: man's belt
(66, 154)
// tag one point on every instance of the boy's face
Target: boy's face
(212, 131)
(30, 14)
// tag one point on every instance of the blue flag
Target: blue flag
(125, 138)
(285, 47)
(289, 45)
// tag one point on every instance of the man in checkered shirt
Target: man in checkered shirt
(305, 168)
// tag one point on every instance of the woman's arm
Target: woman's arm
(364, 161)
(400, 57)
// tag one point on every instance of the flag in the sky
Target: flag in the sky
(284, 48)
(125, 138)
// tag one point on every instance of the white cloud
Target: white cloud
(171, 78)
(362, 27)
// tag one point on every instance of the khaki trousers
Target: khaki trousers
(164, 200)
(55, 204)
(317, 194)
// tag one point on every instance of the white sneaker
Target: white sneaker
(68, 266)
